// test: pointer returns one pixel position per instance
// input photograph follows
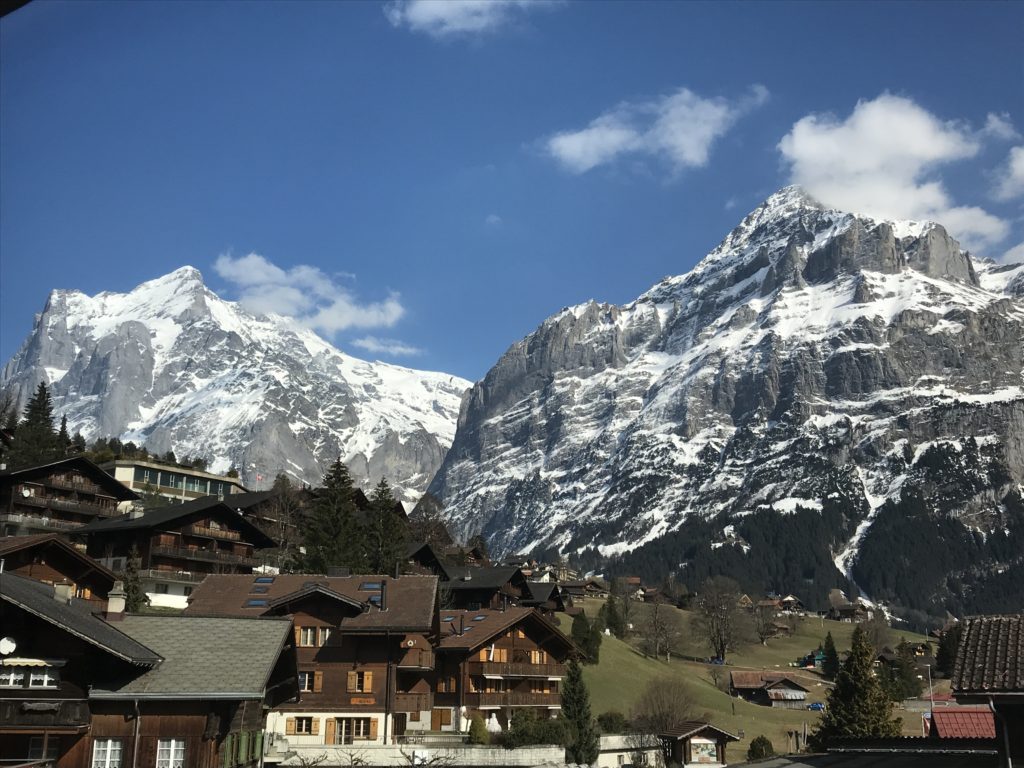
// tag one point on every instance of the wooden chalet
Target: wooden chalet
(57, 497)
(477, 588)
(178, 546)
(81, 689)
(364, 648)
(494, 662)
(695, 743)
(777, 691)
(49, 558)
(546, 597)
(989, 671)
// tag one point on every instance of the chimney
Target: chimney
(383, 594)
(115, 603)
(63, 593)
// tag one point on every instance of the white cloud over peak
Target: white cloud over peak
(1011, 178)
(391, 347)
(680, 128)
(1015, 255)
(882, 162)
(305, 293)
(1000, 127)
(458, 18)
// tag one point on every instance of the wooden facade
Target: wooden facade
(51, 559)
(494, 662)
(57, 497)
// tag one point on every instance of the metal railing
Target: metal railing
(184, 576)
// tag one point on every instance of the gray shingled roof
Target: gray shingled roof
(75, 617)
(990, 658)
(208, 658)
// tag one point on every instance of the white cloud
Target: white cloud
(1000, 127)
(305, 293)
(881, 162)
(1011, 178)
(1015, 255)
(493, 220)
(458, 18)
(680, 128)
(391, 347)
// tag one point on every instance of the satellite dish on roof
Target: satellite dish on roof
(7, 645)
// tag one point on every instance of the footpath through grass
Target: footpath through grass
(618, 681)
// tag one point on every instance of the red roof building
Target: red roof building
(963, 723)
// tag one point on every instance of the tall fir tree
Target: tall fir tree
(949, 643)
(830, 665)
(582, 736)
(612, 617)
(63, 438)
(35, 439)
(857, 706)
(386, 533)
(134, 597)
(334, 536)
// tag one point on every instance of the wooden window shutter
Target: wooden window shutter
(330, 730)
(316, 726)
(373, 728)
(298, 631)
(353, 682)
(318, 682)
(367, 682)
(289, 726)
(446, 717)
(483, 654)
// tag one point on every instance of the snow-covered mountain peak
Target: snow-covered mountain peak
(172, 365)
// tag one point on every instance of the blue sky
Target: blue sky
(424, 183)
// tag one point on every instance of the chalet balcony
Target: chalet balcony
(214, 533)
(68, 505)
(77, 484)
(513, 699)
(38, 522)
(515, 669)
(183, 577)
(417, 659)
(206, 555)
(412, 702)
(30, 714)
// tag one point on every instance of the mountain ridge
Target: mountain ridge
(797, 360)
(172, 365)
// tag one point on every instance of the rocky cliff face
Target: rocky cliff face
(812, 355)
(175, 367)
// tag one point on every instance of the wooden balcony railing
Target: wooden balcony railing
(513, 699)
(207, 555)
(416, 659)
(515, 669)
(68, 505)
(42, 714)
(412, 702)
(200, 530)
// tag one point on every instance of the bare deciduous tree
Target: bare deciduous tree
(764, 623)
(717, 619)
(664, 705)
(660, 632)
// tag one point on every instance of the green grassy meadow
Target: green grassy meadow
(623, 673)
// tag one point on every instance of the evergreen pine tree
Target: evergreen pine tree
(63, 438)
(134, 597)
(386, 532)
(35, 439)
(830, 666)
(612, 617)
(333, 536)
(857, 707)
(478, 733)
(582, 736)
(945, 657)
(581, 633)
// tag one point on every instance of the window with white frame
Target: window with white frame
(307, 636)
(170, 753)
(304, 725)
(12, 677)
(44, 677)
(305, 681)
(323, 635)
(106, 753)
